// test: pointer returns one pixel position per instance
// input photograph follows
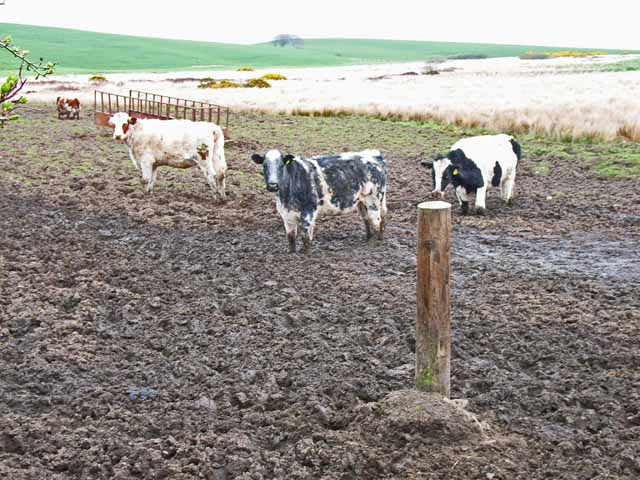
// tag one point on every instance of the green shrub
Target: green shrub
(273, 76)
(246, 69)
(257, 83)
(430, 70)
(468, 56)
(534, 56)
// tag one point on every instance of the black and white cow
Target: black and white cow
(475, 164)
(326, 185)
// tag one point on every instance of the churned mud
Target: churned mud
(171, 336)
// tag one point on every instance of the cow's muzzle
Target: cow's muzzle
(272, 187)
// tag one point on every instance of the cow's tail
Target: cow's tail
(516, 148)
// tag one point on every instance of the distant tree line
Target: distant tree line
(285, 39)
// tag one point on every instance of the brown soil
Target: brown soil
(168, 336)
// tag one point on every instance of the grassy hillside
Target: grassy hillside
(82, 52)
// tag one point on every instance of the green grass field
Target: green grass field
(77, 51)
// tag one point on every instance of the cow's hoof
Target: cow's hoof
(464, 208)
(510, 202)
(480, 211)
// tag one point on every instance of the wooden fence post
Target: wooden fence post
(433, 323)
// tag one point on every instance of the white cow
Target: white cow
(175, 143)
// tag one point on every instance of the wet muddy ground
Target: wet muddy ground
(169, 336)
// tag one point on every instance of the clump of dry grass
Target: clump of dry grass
(246, 69)
(629, 132)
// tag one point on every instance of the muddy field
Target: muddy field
(169, 336)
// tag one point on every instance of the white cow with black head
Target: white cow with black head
(326, 185)
(475, 164)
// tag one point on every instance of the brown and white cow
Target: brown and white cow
(68, 108)
(174, 143)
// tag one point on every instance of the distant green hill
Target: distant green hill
(77, 51)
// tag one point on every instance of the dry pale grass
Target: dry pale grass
(508, 94)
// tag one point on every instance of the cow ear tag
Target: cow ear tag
(288, 159)
(456, 171)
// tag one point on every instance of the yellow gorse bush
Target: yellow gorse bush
(258, 83)
(573, 53)
(209, 82)
(273, 76)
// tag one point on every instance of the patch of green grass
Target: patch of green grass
(621, 165)
(78, 51)
(617, 159)
(543, 167)
(623, 66)
(82, 169)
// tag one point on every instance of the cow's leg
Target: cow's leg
(149, 172)
(362, 209)
(375, 219)
(133, 160)
(221, 185)
(481, 197)
(383, 215)
(207, 170)
(463, 199)
(307, 220)
(506, 188)
(292, 231)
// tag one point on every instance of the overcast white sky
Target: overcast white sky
(570, 23)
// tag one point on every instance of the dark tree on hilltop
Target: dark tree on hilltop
(285, 39)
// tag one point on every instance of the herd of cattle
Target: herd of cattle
(319, 185)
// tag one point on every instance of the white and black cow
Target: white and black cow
(474, 165)
(326, 185)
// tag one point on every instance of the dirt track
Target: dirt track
(167, 336)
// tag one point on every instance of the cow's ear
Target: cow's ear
(133, 120)
(288, 159)
(427, 163)
(456, 156)
(259, 159)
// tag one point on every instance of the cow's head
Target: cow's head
(62, 104)
(273, 164)
(440, 173)
(120, 122)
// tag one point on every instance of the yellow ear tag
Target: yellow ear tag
(455, 171)
(287, 161)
